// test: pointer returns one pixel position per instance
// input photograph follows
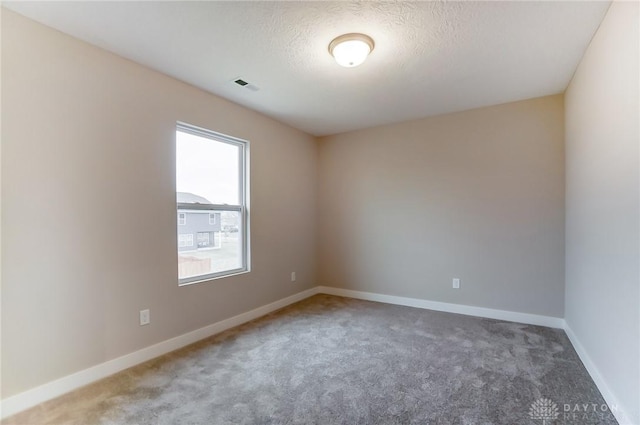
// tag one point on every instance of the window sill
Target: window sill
(210, 278)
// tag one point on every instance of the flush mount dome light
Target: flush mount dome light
(351, 50)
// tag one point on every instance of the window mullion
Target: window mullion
(210, 207)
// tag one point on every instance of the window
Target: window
(212, 190)
(204, 239)
(185, 240)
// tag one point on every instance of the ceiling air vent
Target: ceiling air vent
(246, 85)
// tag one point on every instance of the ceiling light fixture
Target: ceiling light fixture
(351, 50)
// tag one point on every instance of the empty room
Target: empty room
(289, 212)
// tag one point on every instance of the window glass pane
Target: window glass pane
(207, 171)
(209, 175)
(209, 248)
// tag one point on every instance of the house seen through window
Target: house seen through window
(211, 199)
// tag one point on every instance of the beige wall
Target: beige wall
(89, 216)
(603, 254)
(477, 195)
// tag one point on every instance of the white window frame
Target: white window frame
(242, 208)
(201, 239)
(185, 240)
(182, 220)
(214, 218)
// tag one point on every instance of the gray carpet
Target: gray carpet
(331, 360)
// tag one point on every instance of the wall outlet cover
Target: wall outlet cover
(145, 317)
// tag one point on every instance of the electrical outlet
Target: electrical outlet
(145, 317)
(456, 283)
(293, 276)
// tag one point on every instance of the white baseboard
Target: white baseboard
(51, 390)
(617, 409)
(533, 319)
(510, 316)
(19, 402)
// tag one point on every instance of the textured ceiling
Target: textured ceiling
(430, 57)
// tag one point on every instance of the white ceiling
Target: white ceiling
(430, 57)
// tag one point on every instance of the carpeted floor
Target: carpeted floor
(332, 360)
